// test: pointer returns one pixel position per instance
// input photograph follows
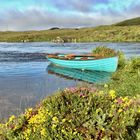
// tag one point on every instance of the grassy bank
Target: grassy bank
(111, 112)
(126, 81)
(101, 33)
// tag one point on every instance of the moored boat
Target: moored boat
(84, 62)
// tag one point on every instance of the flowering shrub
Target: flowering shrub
(79, 114)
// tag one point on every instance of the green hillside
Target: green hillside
(129, 22)
(99, 34)
(119, 32)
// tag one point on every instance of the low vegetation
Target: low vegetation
(103, 51)
(80, 114)
(96, 34)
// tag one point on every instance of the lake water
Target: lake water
(24, 76)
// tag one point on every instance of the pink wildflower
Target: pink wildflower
(119, 101)
(82, 95)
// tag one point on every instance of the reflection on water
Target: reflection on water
(23, 77)
(83, 75)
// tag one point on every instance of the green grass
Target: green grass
(101, 33)
(129, 22)
(126, 81)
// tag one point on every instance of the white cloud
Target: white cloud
(33, 19)
(37, 18)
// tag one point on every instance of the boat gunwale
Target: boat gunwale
(94, 59)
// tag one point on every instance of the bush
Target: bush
(77, 114)
(121, 60)
(103, 51)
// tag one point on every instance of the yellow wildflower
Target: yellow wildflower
(27, 134)
(63, 120)
(130, 101)
(127, 103)
(112, 94)
(120, 110)
(54, 126)
(125, 99)
(26, 138)
(30, 110)
(55, 119)
(63, 131)
(112, 106)
(74, 133)
(103, 129)
(70, 120)
(28, 131)
(43, 132)
(37, 119)
(11, 118)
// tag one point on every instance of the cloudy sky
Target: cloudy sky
(20, 15)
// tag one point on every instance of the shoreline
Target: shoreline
(93, 34)
(73, 42)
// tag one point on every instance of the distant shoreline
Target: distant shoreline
(76, 35)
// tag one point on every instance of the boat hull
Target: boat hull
(105, 64)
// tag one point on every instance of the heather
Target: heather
(77, 113)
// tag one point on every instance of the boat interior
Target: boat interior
(74, 56)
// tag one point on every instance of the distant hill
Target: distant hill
(54, 28)
(129, 22)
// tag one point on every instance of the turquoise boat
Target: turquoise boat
(77, 74)
(84, 62)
